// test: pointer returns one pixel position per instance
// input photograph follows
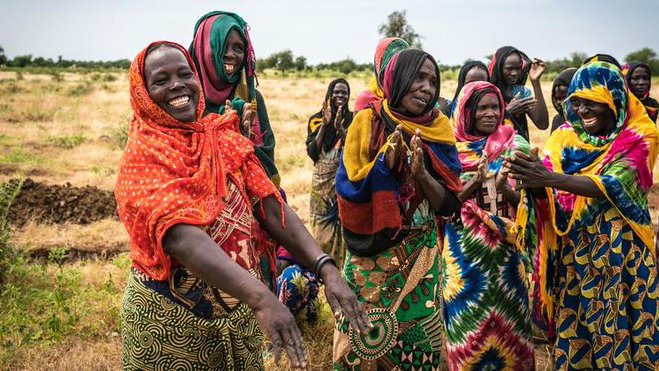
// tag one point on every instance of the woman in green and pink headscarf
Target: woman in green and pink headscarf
(222, 52)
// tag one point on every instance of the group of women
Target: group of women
(437, 212)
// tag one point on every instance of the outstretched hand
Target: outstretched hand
(342, 299)
(279, 324)
(538, 67)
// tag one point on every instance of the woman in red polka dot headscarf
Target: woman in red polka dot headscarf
(197, 206)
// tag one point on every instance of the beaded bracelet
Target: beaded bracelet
(318, 265)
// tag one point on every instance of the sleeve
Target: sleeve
(312, 149)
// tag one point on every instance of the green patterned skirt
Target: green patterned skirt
(161, 335)
(399, 290)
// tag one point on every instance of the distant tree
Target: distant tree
(3, 57)
(397, 26)
(301, 63)
(22, 60)
(645, 55)
(284, 61)
(577, 58)
(346, 66)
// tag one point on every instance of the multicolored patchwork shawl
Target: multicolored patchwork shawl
(620, 163)
(371, 198)
(173, 172)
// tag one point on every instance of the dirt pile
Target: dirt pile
(57, 204)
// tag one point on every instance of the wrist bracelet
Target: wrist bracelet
(320, 261)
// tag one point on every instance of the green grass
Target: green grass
(18, 156)
(43, 304)
(68, 142)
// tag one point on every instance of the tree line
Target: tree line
(285, 61)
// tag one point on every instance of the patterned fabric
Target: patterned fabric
(385, 50)
(563, 79)
(173, 172)
(601, 288)
(399, 290)
(324, 208)
(207, 49)
(651, 104)
(366, 188)
(297, 288)
(485, 299)
(396, 275)
(159, 334)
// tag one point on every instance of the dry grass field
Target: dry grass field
(60, 306)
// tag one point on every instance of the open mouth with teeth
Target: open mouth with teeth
(229, 68)
(589, 122)
(421, 101)
(179, 101)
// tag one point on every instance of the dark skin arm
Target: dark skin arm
(299, 242)
(533, 174)
(538, 112)
(196, 250)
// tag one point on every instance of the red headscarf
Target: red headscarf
(175, 173)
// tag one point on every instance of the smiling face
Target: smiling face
(475, 74)
(171, 83)
(597, 118)
(422, 90)
(486, 115)
(234, 53)
(340, 94)
(512, 68)
(639, 81)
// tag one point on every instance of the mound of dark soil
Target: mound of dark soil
(57, 204)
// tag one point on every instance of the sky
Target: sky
(331, 30)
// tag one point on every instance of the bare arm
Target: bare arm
(539, 114)
(297, 239)
(196, 250)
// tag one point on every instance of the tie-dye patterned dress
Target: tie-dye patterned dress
(485, 298)
(599, 281)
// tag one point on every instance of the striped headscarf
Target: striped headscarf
(208, 48)
(384, 52)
